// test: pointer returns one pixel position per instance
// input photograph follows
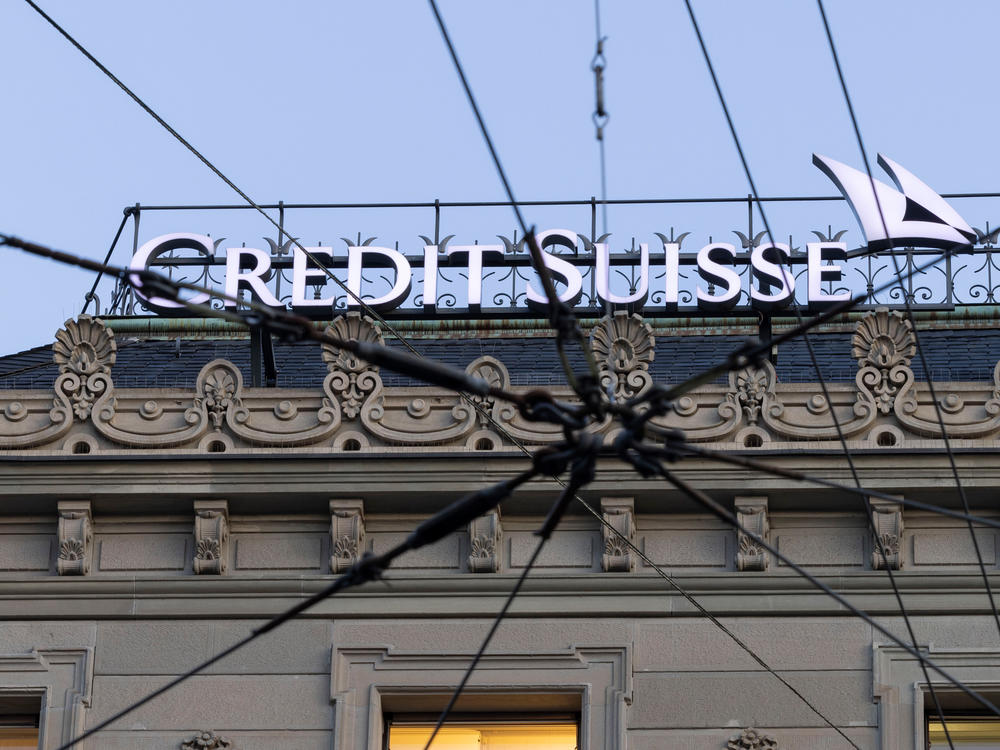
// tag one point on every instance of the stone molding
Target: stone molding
(347, 533)
(752, 515)
(899, 686)
(888, 521)
(363, 677)
(883, 408)
(211, 537)
(75, 538)
(485, 543)
(63, 680)
(619, 514)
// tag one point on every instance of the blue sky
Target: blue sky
(357, 102)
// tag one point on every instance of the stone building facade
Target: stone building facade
(146, 525)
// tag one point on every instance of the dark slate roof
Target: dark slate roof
(952, 355)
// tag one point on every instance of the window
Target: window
(522, 732)
(968, 732)
(19, 722)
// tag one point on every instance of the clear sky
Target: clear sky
(358, 102)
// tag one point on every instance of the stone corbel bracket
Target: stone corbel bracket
(485, 536)
(619, 515)
(347, 533)
(211, 537)
(888, 521)
(75, 538)
(752, 515)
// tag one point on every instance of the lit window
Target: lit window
(514, 734)
(967, 732)
(19, 722)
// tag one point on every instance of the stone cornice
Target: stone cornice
(609, 595)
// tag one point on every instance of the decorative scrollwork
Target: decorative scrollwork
(751, 739)
(624, 346)
(207, 741)
(883, 343)
(85, 350)
(351, 378)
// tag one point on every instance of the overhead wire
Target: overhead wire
(869, 511)
(232, 185)
(910, 317)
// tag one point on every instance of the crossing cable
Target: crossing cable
(787, 280)
(370, 567)
(254, 205)
(176, 285)
(581, 473)
(560, 316)
(909, 313)
(499, 167)
(528, 234)
(289, 321)
(598, 65)
(646, 461)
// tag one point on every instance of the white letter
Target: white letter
(715, 273)
(603, 272)
(818, 273)
(569, 272)
(475, 266)
(262, 264)
(671, 275)
(165, 243)
(770, 273)
(301, 272)
(400, 290)
(430, 278)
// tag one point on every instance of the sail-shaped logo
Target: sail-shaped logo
(913, 213)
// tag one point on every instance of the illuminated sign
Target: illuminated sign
(718, 277)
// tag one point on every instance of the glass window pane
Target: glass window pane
(486, 736)
(18, 738)
(967, 733)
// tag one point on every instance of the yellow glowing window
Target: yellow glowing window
(19, 738)
(485, 736)
(967, 733)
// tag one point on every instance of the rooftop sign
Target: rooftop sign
(496, 279)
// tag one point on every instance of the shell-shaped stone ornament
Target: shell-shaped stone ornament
(350, 327)
(883, 339)
(84, 346)
(622, 341)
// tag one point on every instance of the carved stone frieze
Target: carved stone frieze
(888, 518)
(485, 537)
(211, 536)
(85, 350)
(350, 378)
(347, 533)
(752, 739)
(75, 538)
(883, 343)
(751, 389)
(752, 515)
(619, 514)
(623, 346)
(207, 741)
